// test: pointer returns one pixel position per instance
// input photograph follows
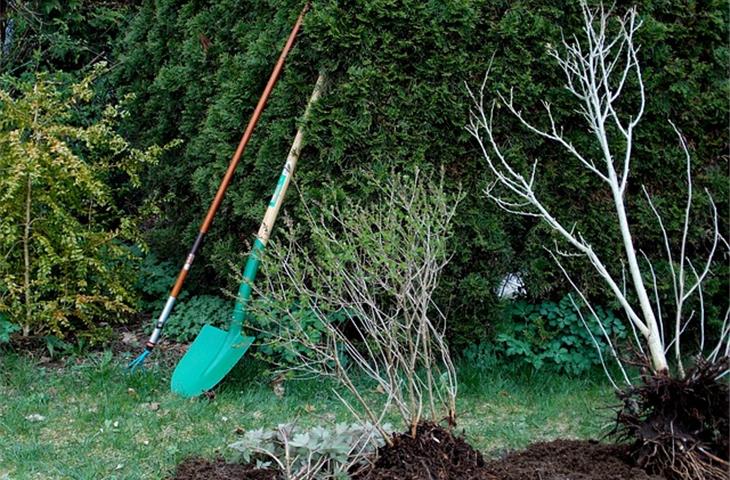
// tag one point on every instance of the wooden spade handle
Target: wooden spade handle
(267, 225)
(254, 258)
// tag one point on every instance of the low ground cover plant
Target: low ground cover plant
(317, 453)
(153, 283)
(554, 335)
(192, 313)
(7, 328)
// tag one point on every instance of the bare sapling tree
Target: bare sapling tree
(597, 68)
(674, 414)
(375, 267)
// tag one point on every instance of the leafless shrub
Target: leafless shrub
(375, 266)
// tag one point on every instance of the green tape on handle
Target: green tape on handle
(244, 292)
(279, 186)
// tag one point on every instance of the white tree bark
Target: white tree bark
(596, 69)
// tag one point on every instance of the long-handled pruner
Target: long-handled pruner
(154, 338)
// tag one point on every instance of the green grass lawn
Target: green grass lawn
(89, 419)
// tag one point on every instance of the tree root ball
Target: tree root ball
(678, 427)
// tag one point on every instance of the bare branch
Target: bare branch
(606, 336)
(378, 266)
(598, 66)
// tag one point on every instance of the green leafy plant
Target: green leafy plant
(65, 260)
(482, 355)
(271, 327)
(303, 454)
(58, 348)
(7, 328)
(550, 334)
(154, 282)
(190, 315)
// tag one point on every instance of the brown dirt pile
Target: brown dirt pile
(218, 469)
(567, 460)
(434, 454)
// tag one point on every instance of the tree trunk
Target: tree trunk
(653, 339)
(26, 259)
(3, 23)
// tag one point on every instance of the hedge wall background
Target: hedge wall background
(396, 100)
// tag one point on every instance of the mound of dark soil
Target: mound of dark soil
(218, 469)
(567, 460)
(434, 454)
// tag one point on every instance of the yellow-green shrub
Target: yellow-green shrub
(65, 256)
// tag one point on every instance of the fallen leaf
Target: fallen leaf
(35, 417)
(129, 338)
(277, 385)
(279, 390)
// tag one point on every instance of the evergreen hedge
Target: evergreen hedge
(58, 35)
(396, 100)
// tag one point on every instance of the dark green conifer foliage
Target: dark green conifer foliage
(396, 99)
(58, 35)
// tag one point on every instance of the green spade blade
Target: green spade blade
(210, 357)
(214, 352)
